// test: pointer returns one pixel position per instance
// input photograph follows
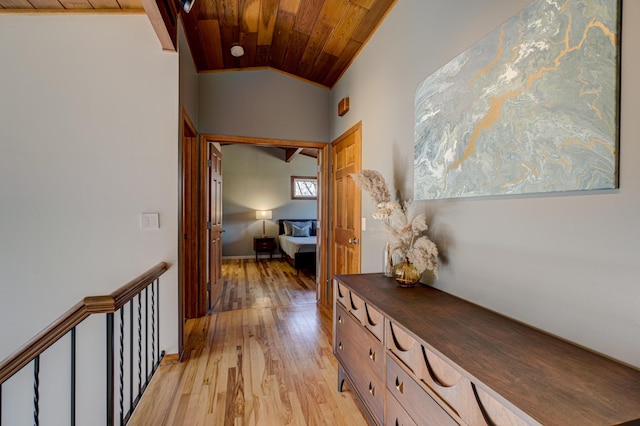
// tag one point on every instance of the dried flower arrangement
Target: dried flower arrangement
(405, 227)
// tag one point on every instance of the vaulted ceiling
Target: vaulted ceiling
(315, 40)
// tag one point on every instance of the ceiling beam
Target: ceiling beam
(290, 153)
(163, 20)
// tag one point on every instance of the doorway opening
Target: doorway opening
(294, 147)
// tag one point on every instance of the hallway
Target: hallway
(264, 357)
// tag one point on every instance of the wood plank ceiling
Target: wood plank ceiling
(315, 40)
(48, 6)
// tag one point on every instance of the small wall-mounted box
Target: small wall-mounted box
(343, 106)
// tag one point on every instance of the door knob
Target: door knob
(353, 240)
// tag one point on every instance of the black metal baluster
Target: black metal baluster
(36, 390)
(153, 326)
(110, 378)
(121, 366)
(131, 353)
(158, 297)
(139, 344)
(73, 376)
(146, 336)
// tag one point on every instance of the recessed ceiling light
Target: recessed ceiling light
(237, 50)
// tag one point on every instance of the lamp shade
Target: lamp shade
(264, 214)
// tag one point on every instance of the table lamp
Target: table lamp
(264, 215)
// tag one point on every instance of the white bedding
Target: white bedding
(293, 245)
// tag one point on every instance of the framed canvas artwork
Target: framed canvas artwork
(533, 107)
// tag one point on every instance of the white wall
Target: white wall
(263, 104)
(258, 178)
(565, 263)
(88, 141)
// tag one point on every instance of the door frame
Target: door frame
(186, 251)
(323, 288)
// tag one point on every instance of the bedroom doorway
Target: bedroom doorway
(293, 148)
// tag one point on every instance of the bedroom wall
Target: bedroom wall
(258, 178)
(566, 263)
(88, 141)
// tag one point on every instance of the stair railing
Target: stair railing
(134, 311)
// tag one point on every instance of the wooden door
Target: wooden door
(193, 303)
(214, 225)
(346, 206)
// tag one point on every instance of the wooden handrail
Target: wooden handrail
(74, 316)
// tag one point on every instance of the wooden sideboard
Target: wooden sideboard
(420, 356)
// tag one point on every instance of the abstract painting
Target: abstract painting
(532, 107)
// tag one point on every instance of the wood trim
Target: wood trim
(324, 286)
(193, 294)
(131, 289)
(166, 35)
(227, 139)
(74, 316)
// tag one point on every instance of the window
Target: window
(304, 188)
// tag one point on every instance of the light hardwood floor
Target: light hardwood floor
(263, 357)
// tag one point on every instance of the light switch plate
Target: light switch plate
(149, 221)
(364, 223)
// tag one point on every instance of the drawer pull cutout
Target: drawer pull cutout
(372, 355)
(372, 389)
(352, 303)
(340, 319)
(373, 317)
(399, 385)
(340, 346)
(398, 335)
(439, 371)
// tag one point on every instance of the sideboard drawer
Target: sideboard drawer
(341, 293)
(415, 400)
(372, 392)
(356, 347)
(395, 415)
(404, 346)
(374, 321)
(368, 316)
(362, 358)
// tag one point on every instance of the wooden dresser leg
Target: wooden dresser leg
(341, 377)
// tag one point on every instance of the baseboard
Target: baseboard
(253, 256)
(170, 359)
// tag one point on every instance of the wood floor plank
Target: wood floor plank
(263, 357)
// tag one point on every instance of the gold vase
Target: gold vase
(406, 274)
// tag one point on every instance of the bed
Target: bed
(297, 243)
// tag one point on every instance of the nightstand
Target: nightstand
(264, 244)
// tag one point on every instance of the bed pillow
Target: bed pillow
(300, 224)
(300, 232)
(287, 228)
